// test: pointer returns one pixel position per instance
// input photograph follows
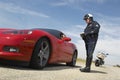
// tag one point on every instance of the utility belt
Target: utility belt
(92, 37)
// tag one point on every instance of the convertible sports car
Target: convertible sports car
(36, 47)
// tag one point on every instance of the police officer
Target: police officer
(90, 37)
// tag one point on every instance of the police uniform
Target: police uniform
(90, 39)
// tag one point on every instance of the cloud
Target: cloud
(59, 4)
(109, 26)
(75, 2)
(109, 46)
(96, 1)
(10, 7)
(64, 2)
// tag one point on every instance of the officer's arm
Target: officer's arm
(95, 29)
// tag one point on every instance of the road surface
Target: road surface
(59, 72)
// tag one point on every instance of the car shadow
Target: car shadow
(49, 67)
(52, 67)
(11, 66)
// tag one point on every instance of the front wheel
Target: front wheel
(73, 62)
(40, 54)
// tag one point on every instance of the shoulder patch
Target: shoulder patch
(97, 25)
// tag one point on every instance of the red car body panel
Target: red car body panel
(25, 41)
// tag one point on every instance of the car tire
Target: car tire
(40, 54)
(73, 62)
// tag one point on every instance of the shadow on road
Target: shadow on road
(59, 67)
(49, 67)
(95, 71)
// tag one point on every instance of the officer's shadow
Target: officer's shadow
(94, 71)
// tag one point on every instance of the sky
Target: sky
(67, 16)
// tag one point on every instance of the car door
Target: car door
(68, 50)
(65, 49)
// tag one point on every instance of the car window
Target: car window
(62, 36)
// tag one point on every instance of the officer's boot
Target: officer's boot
(86, 69)
(88, 64)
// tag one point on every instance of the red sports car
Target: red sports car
(37, 47)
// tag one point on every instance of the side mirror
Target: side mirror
(66, 39)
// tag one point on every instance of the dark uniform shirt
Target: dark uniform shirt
(91, 31)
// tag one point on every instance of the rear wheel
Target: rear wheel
(97, 63)
(73, 62)
(41, 54)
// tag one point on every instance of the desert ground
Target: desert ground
(59, 72)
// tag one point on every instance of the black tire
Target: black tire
(102, 62)
(40, 54)
(73, 62)
(97, 63)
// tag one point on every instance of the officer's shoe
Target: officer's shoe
(86, 69)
